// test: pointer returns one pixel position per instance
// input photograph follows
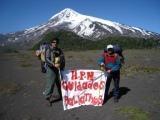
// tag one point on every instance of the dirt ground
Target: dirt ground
(22, 84)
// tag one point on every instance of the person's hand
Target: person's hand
(37, 53)
(57, 65)
(108, 71)
(102, 66)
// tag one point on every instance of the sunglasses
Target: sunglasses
(54, 42)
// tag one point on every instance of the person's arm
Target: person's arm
(101, 60)
(48, 58)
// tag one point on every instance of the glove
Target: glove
(57, 65)
(38, 53)
(102, 67)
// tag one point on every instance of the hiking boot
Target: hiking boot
(55, 98)
(48, 97)
(49, 102)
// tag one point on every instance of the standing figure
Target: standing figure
(55, 61)
(110, 63)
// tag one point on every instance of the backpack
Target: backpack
(118, 49)
(43, 49)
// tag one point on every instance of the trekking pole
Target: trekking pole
(60, 77)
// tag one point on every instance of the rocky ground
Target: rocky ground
(22, 84)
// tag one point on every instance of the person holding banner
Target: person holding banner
(55, 62)
(110, 63)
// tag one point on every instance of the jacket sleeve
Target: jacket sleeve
(48, 58)
(100, 60)
(117, 65)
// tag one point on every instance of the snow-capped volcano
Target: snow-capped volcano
(88, 26)
(83, 25)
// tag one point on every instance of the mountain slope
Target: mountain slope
(87, 26)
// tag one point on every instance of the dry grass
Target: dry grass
(25, 64)
(25, 59)
(129, 70)
(144, 60)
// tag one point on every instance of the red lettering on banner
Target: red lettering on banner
(84, 85)
(87, 97)
(74, 75)
(79, 87)
(90, 75)
(90, 97)
(67, 85)
(102, 85)
(100, 100)
(82, 75)
(64, 85)
(70, 85)
(71, 101)
(66, 100)
(75, 101)
(90, 85)
(81, 100)
(95, 85)
(75, 88)
(94, 100)
(97, 101)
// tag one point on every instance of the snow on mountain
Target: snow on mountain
(81, 25)
(68, 15)
(142, 31)
(85, 26)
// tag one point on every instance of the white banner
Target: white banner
(82, 87)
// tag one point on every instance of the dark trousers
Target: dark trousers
(116, 78)
(43, 67)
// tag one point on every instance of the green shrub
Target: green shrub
(134, 113)
(71, 41)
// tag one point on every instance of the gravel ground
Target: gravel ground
(22, 84)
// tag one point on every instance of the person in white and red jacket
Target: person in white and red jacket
(110, 62)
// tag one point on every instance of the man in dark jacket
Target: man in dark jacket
(55, 62)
